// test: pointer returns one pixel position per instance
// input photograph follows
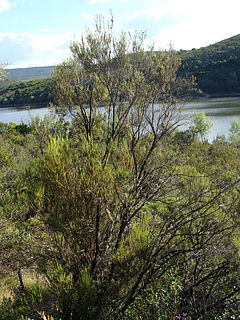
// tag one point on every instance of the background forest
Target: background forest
(216, 67)
(117, 214)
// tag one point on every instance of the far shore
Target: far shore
(26, 105)
(220, 95)
(45, 104)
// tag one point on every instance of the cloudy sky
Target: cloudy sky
(39, 32)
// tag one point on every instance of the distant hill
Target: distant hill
(216, 67)
(34, 73)
(34, 92)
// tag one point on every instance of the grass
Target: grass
(30, 303)
(11, 282)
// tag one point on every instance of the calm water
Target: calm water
(220, 110)
(21, 114)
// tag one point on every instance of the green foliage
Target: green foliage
(7, 310)
(190, 239)
(201, 125)
(50, 125)
(160, 301)
(41, 314)
(120, 204)
(234, 136)
(235, 127)
(28, 92)
(22, 304)
(216, 67)
(2, 71)
(122, 216)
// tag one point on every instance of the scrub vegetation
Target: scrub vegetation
(118, 214)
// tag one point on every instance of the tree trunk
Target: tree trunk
(21, 280)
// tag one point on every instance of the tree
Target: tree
(202, 125)
(234, 137)
(2, 72)
(117, 210)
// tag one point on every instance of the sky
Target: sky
(39, 32)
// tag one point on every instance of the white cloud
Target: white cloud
(193, 24)
(5, 5)
(27, 49)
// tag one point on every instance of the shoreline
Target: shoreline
(203, 96)
(220, 95)
(26, 105)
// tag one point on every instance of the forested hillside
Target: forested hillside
(216, 67)
(28, 92)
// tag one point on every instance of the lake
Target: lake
(220, 110)
(21, 114)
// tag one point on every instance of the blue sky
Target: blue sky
(39, 32)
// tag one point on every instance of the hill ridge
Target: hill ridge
(216, 67)
(31, 73)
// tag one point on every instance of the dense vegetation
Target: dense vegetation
(118, 215)
(30, 92)
(216, 67)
